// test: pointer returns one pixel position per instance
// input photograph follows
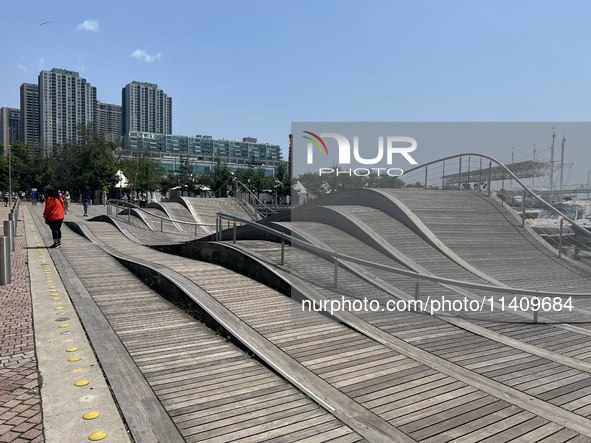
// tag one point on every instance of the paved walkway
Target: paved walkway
(20, 409)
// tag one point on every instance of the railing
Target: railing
(115, 203)
(459, 176)
(7, 245)
(256, 199)
(267, 210)
(419, 276)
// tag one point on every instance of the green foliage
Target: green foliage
(143, 173)
(341, 180)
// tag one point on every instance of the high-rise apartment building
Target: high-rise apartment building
(109, 121)
(146, 108)
(65, 101)
(29, 121)
(9, 123)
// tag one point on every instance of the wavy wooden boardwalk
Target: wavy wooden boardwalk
(406, 376)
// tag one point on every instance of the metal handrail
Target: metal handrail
(256, 198)
(131, 205)
(417, 275)
(512, 176)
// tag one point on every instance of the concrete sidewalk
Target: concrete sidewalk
(20, 409)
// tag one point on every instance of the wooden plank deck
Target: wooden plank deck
(417, 410)
(212, 390)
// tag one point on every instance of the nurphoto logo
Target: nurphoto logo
(344, 146)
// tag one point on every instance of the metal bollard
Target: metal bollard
(13, 228)
(8, 233)
(4, 260)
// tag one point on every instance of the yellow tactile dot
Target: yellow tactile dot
(55, 298)
(90, 415)
(75, 359)
(59, 307)
(69, 340)
(99, 435)
(81, 383)
(65, 325)
(51, 287)
(78, 370)
(53, 290)
(71, 349)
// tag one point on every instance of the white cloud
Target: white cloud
(143, 55)
(80, 66)
(24, 68)
(89, 25)
(41, 64)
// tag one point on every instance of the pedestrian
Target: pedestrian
(54, 216)
(143, 198)
(124, 198)
(229, 184)
(86, 205)
(6, 197)
(264, 201)
(105, 198)
(67, 200)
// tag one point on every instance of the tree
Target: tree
(143, 173)
(87, 164)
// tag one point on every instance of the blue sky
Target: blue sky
(250, 68)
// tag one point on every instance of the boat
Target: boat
(547, 224)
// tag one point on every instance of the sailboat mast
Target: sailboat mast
(562, 162)
(552, 162)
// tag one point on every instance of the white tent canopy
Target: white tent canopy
(122, 183)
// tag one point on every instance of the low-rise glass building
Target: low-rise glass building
(203, 151)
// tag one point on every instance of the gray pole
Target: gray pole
(8, 233)
(489, 176)
(4, 260)
(562, 163)
(552, 163)
(9, 176)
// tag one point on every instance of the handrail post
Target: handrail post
(5, 260)
(161, 223)
(234, 233)
(129, 214)
(560, 238)
(425, 177)
(536, 312)
(489, 176)
(480, 176)
(282, 251)
(523, 210)
(443, 177)
(460, 175)
(336, 272)
(417, 289)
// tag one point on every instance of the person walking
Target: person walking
(231, 180)
(67, 200)
(143, 199)
(6, 197)
(86, 205)
(54, 216)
